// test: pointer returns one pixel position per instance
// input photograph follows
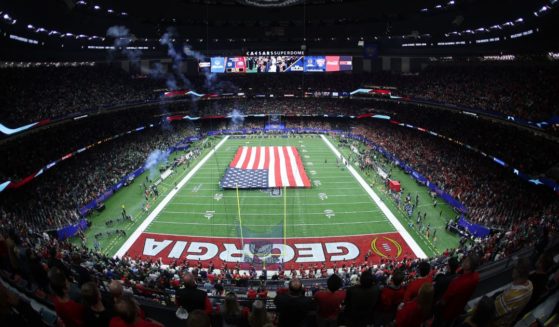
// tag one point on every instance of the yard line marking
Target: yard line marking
(265, 214)
(266, 225)
(273, 204)
(395, 222)
(268, 196)
(217, 187)
(298, 237)
(126, 246)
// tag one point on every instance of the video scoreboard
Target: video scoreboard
(277, 64)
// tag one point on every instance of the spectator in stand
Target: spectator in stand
(15, 312)
(329, 302)
(198, 318)
(38, 271)
(128, 315)
(443, 279)
(513, 300)
(424, 271)
(96, 313)
(482, 315)
(69, 311)
(418, 311)
(293, 308)
(116, 290)
(459, 291)
(361, 300)
(258, 316)
(191, 298)
(262, 293)
(390, 298)
(539, 279)
(231, 313)
(251, 293)
(78, 270)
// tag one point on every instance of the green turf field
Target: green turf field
(336, 204)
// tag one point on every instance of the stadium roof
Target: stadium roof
(207, 24)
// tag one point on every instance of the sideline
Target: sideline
(395, 222)
(130, 241)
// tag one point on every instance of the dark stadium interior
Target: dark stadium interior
(457, 96)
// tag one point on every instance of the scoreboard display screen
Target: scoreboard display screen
(273, 64)
(280, 64)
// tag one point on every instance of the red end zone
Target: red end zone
(270, 252)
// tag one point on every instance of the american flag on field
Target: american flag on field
(266, 167)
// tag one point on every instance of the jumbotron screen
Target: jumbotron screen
(280, 64)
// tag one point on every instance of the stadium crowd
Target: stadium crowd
(494, 197)
(505, 88)
(35, 94)
(86, 288)
(54, 200)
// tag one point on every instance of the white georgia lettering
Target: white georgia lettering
(337, 248)
(286, 252)
(310, 252)
(232, 253)
(177, 249)
(198, 249)
(153, 247)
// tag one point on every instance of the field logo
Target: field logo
(385, 249)
(329, 213)
(260, 252)
(218, 196)
(209, 214)
(322, 196)
(275, 192)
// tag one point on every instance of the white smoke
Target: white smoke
(237, 118)
(168, 40)
(155, 158)
(122, 39)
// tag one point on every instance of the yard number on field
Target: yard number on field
(329, 213)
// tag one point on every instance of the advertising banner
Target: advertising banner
(346, 63)
(217, 65)
(235, 65)
(315, 64)
(332, 63)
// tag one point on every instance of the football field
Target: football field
(339, 218)
(335, 205)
